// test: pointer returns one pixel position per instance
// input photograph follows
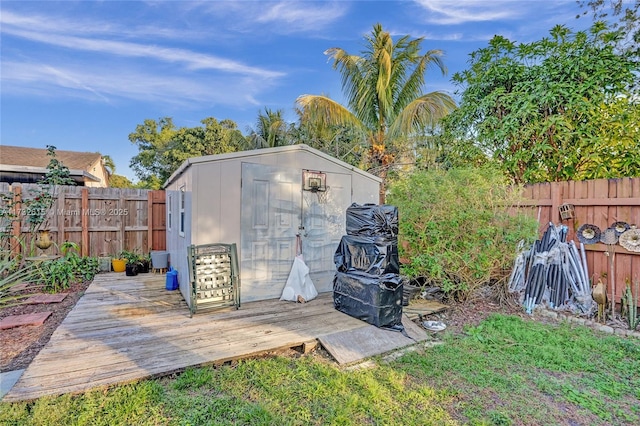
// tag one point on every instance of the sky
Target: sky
(81, 75)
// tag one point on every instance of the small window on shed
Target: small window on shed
(169, 211)
(182, 203)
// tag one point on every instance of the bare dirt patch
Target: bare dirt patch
(21, 344)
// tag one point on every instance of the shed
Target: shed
(261, 200)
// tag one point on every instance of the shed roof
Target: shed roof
(265, 151)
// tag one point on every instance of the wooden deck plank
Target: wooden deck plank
(128, 328)
(175, 356)
(195, 341)
(121, 331)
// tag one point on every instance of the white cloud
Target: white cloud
(302, 16)
(446, 12)
(278, 17)
(82, 27)
(103, 62)
(92, 83)
(191, 60)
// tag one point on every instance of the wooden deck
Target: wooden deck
(129, 328)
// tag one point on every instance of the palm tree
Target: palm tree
(271, 130)
(109, 164)
(384, 91)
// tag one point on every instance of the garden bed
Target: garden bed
(21, 344)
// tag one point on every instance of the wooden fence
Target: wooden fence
(103, 221)
(598, 202)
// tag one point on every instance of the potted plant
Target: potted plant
(131, 266)
(144, 263)
(131, 269)
(118, 264)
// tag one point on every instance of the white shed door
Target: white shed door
(324, 225)
(274, 207)
(270, 220)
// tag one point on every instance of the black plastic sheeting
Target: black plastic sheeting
(372, 220)
(367, 284)
(375, 299)
(373, 255)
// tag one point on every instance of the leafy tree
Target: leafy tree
(163, 147)
(271, 130)
(153, 140)
(120, 181)
(115, 181)
(622, 16)
(343, 142)
(546, 110)
(615, 141)
(38, 207)
(384, 87)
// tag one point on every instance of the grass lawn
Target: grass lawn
(505, 371)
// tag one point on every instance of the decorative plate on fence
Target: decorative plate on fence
(631, 240)
(620, 227)
(588, 234)
(609, 236)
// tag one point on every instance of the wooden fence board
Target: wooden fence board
(157, 219)
(103, 221)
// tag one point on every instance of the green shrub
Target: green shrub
(59, 274)
(56, 275)
(457, 228)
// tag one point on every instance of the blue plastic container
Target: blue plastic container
(172, 279)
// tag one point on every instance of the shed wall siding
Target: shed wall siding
(177, 244)
(364, 190)
(217, 194)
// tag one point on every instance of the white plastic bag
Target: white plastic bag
(299, 287)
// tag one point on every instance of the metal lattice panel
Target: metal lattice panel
(213, 273)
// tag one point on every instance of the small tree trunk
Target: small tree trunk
(383, 188)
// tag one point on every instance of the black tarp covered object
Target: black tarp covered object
(373, 255)
(367, 284)
(372, 220)
(375, 299)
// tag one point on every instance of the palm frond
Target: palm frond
(422, 113)
(413, 83)
(324, 111)
(270, 131)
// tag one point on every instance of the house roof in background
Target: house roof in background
(37, 157)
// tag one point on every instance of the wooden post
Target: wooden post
(556, 201)
(121, 205)
(60, 215)
(16, 229)
(150, 221)
(84, 246)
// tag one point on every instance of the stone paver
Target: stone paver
(46, 298)
(8, 379)
(26, 319)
